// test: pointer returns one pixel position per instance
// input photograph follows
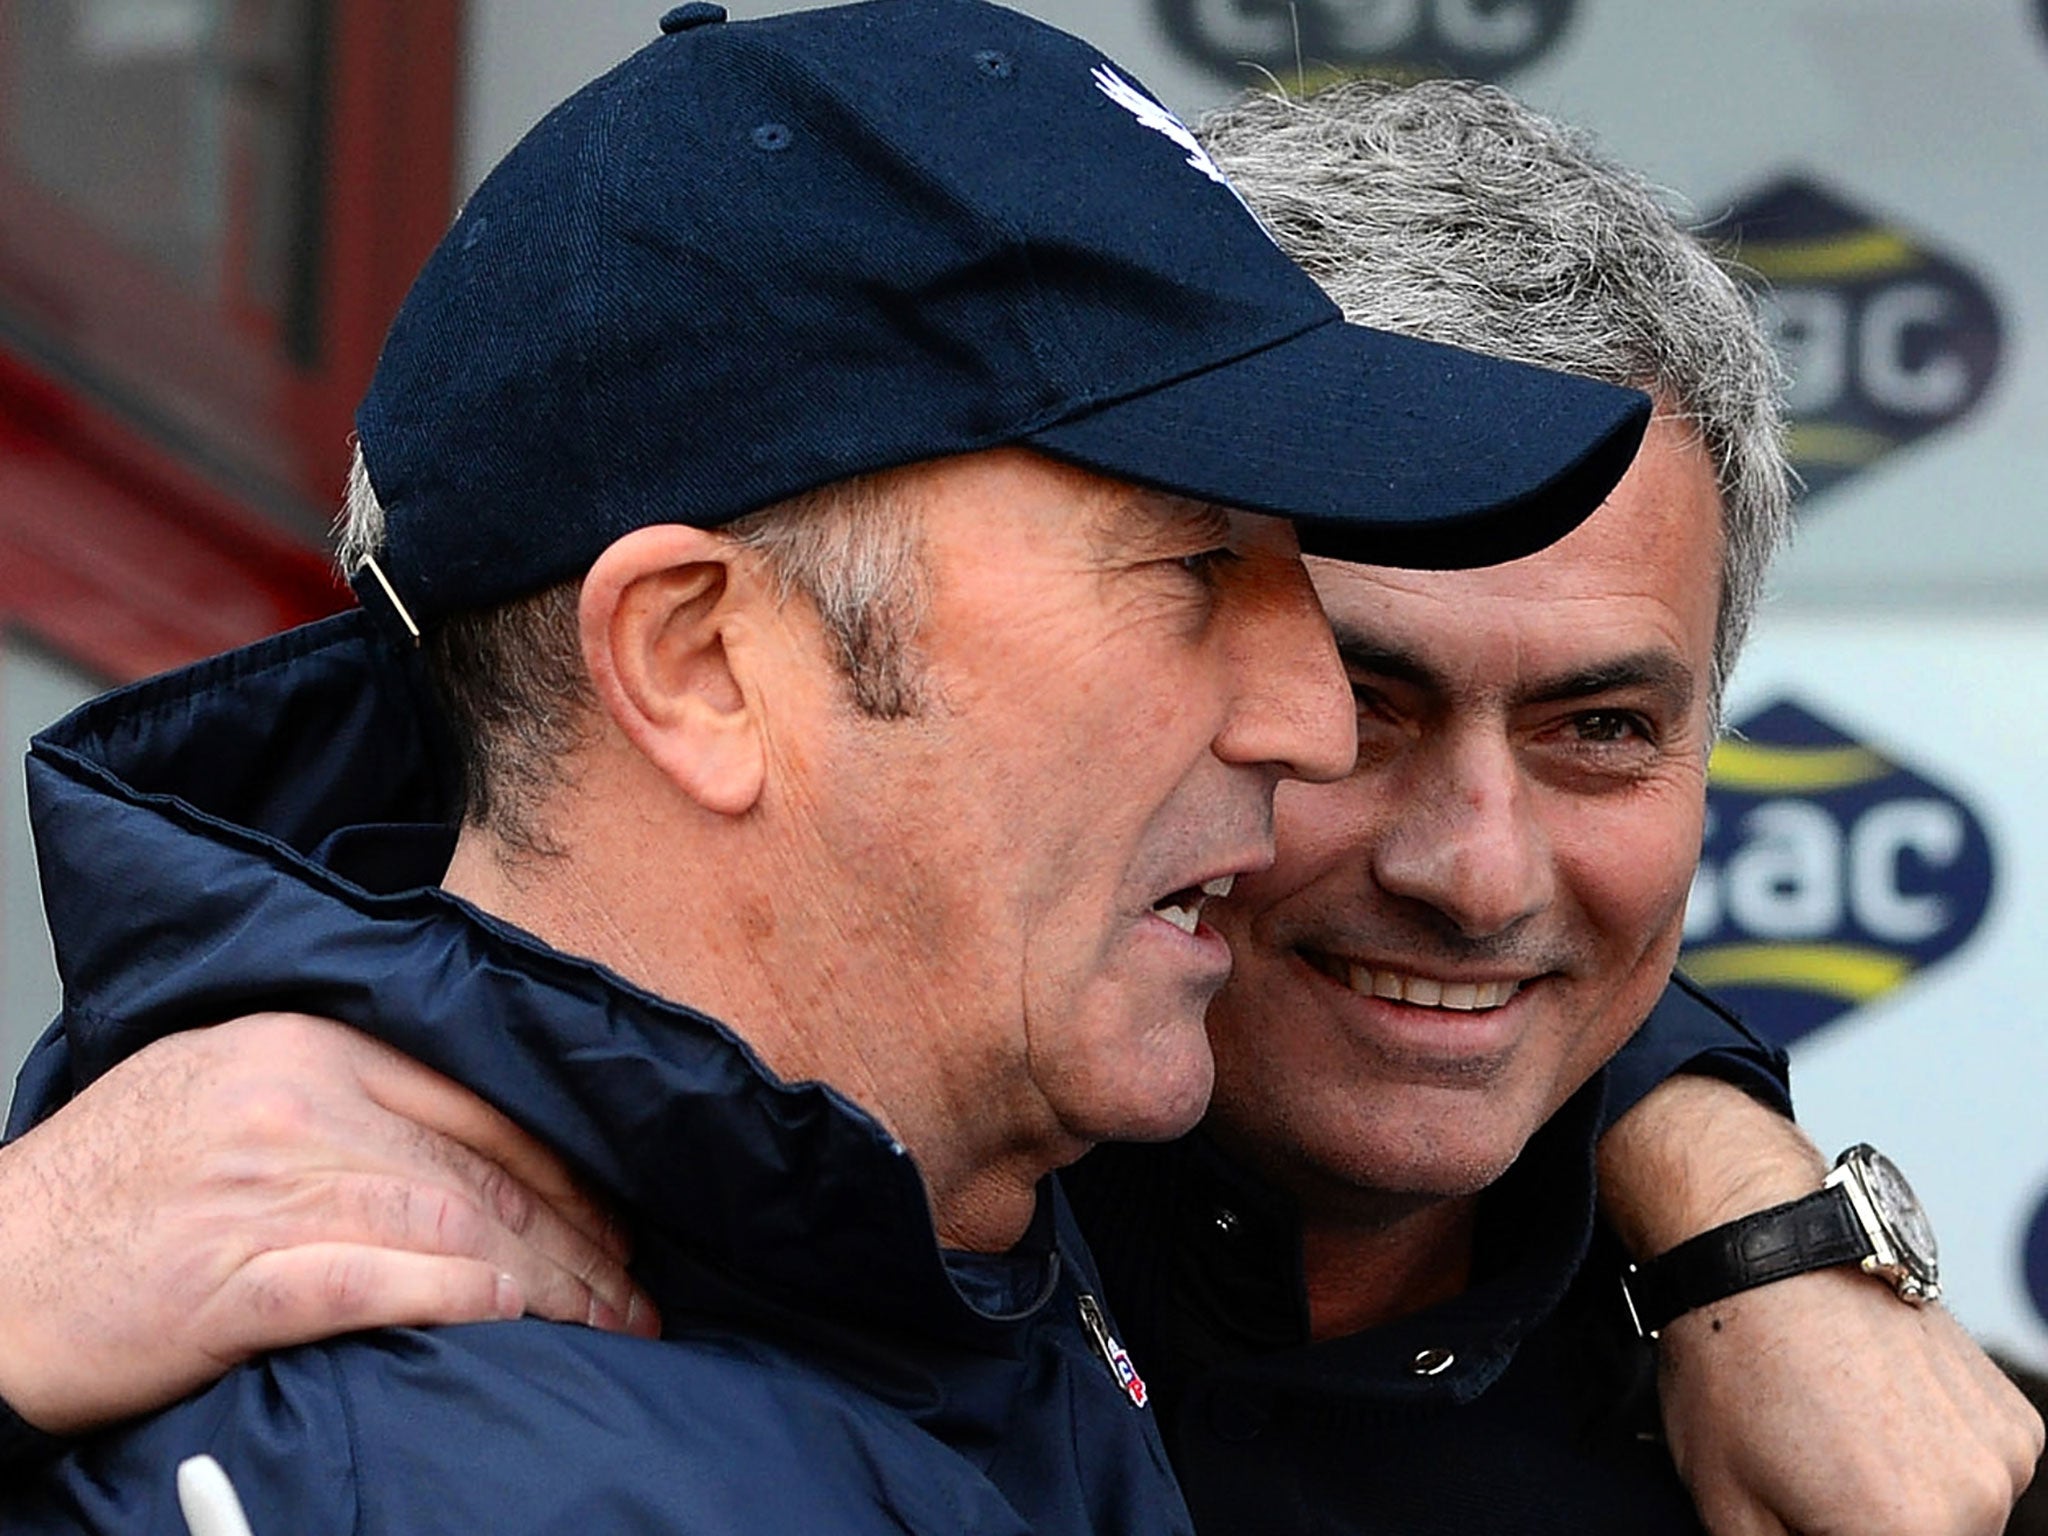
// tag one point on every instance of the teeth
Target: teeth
(1426, 992)
(1188, 917)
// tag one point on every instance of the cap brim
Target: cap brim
(1382, 448)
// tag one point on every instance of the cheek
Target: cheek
(1630, 863)
(1318, 831)
(1253, 1059)
(1630, 876)
(1261, 911)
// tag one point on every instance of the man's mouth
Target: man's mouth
(1416, 991)
(1183, 908)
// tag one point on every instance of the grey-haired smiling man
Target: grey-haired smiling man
(1370, 1288)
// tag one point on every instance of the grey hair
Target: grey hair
(1448, 210)
(359, 531)
(513, 685)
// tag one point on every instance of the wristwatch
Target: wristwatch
(1864, 1213)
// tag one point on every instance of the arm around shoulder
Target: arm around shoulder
(260, 1184)
(1820, 1403)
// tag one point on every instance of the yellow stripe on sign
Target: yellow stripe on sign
(1832, 443)
(1754, 768)
(1867, 254)
(1847, 971)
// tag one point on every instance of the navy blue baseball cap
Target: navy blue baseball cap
(759, 257)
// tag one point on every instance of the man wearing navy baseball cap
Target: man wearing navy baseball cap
(837, 489)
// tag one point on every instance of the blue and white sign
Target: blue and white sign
(1886, 339)
(1832, 873)
(1875, 894)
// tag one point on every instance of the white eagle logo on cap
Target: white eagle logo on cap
(1159, 120)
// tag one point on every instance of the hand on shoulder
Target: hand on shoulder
(264, 1183)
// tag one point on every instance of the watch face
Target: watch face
(1900, 1211)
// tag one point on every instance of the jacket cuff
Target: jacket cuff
(1688, 1031)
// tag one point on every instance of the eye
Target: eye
(1208, 563)
(1602, 727)
(1387, 722)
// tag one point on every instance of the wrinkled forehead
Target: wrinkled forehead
(1632, 596)
(1120, 521)
(1467, 644)
(1656, 539)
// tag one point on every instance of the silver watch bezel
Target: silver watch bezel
(1894, 1258)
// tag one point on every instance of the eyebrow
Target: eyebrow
(1657, 670)
(1361, 653)
(1148, 519)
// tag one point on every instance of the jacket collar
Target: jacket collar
(202, 837)
(1211, 1268)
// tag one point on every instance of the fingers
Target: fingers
(2007, 1429)
(1731, 1511)
(1825, 1405)
(525, 1168)
(293, 1296)
(288, 1296)
(560, 1274)
(566, 1274)
(451, 1201)
(297, 1295)
(409, 1159)
(258, 1185)
(1983, 1432)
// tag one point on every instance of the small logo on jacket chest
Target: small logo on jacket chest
(1113, 1354)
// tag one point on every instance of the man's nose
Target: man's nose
(1291, 706)
(1464, 839)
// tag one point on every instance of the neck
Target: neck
(1363, 1270)
(989, 1212)
(614, 897)
(1368, 1256)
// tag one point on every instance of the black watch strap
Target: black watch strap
(1815, 1231)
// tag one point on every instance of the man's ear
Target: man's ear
(660, 611)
